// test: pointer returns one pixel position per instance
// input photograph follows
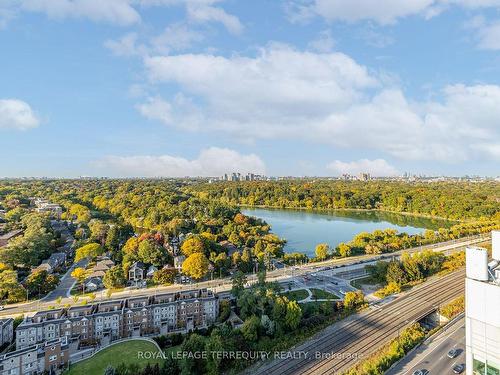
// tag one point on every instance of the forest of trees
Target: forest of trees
(451, 200)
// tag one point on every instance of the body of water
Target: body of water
(303, 230)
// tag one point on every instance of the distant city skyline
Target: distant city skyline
(174, 88)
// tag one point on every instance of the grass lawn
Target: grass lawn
(126, 352)
(321, 294)
(172, 350)
(364, 281)
(296, 295)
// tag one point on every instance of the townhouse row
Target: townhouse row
(48, 357)
(104, 322)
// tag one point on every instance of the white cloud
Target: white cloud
(280, 81)
(204, 11)
(125, 46)
(383, 11)
(176, 37)
(118, 12)
(157, 109)
(487, 33)
(213, 161)
(377, 167)
(6, 13)
(327, 98)
(17, 114)
(324, 42)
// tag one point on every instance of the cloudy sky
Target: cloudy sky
(281, 87)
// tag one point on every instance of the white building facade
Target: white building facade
(482, 310)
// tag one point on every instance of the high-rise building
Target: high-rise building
(482, 309)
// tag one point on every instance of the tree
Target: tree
(152, 253)
(41, 282)
(267, 324)
(240, 219)
(10, 289)
(395, 273)
(258, 248)
(114, 278)
(98, 230)
(353, 299)
(192, 345)
(192, 245)
(165, 276)
(261, 277)
(322, 251)
(81, 212)
(293, 314)
(196, 266)
(170, 366)
(239, 280)
(91, 250)
(113, 238)
(214, 344)
(80, 274)
(250, 328)
(378, 271)
(15, 214)
(344, 250)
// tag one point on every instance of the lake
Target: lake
(303, 229)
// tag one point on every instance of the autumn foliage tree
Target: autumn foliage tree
(196, 266)
(193, 244)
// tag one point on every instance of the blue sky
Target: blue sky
(292, 87)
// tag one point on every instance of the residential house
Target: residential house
(178, 260)
(99, 270)
(43, 205)
(229, 247)
(55, 261)
(151, 271)
(93, 283)
(5, 238)
(137, 271)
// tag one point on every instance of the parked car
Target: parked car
(452, 353)
(458, 369)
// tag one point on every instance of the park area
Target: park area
(126, 352)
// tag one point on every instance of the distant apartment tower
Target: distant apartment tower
(482, 309)
(364, 177)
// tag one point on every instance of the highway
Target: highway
(338, 347)
(432, 354)
(220, 285)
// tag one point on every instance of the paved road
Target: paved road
(432, 354)
(338, 347)
(66, 283)
(225, 284)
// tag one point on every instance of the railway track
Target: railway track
(339, 347)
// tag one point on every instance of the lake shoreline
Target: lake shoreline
(303, 228)
(322, 210)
